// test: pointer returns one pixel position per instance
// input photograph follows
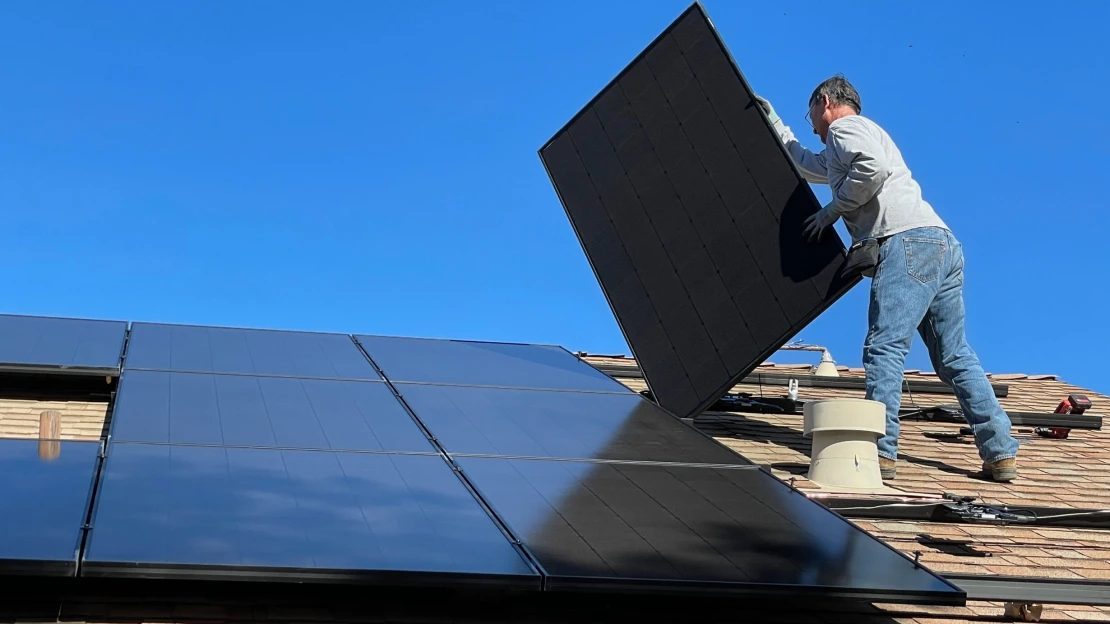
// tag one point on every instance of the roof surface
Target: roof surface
(1061, 473)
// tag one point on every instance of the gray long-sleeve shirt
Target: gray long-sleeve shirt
(873, 189)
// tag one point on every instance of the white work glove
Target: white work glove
(767, 108)
(776, 121)
(818, 221)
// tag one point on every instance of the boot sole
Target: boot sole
(1004, 476)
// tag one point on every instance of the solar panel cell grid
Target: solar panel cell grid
(581, 425)
(239, 410)
(462, 362)
(185, 348)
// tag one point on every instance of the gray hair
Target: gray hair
(840, 92)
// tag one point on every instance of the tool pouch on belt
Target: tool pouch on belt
(863, 257)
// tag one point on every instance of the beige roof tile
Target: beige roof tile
(80, 420)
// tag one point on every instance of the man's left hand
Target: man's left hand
(817, 222)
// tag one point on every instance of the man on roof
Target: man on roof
(918, 283)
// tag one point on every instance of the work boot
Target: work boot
(887, 468)
(1003, 470)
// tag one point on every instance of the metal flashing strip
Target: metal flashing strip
(941, 413)
(1067, 421)
(1032, 590)
(254, 574)
(614, 462)
(75, 371)
(858, 383)
(809, 381)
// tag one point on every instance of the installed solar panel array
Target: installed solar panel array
(276, 456)
(269, 454)
(690, 213)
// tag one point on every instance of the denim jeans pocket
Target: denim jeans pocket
(924, 257)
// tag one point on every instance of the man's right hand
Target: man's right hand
(767, 108)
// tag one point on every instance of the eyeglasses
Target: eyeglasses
(809, 112)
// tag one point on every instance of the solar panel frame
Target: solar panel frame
(101, 358)
(80, 485)
(677, 338)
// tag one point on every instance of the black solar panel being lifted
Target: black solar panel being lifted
(690, 213)
(33, 343)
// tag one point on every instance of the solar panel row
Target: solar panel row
(468, 463)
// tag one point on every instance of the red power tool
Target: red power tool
(1074, 404)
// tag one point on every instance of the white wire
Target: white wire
(1092, 512)
(884, 506)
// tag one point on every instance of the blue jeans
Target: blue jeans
(918, 285)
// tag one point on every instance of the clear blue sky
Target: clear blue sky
(372, 167)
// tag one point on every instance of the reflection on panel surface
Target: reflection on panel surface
(484, 364)
(580, 425)
(45, 342)
(596, 524)
(187, 348)
(165, 510)
(43, 498)
(239, 410)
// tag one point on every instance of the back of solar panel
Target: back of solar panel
(691, 212)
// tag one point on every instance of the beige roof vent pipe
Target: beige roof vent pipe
(827, 367)
(844, 432)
